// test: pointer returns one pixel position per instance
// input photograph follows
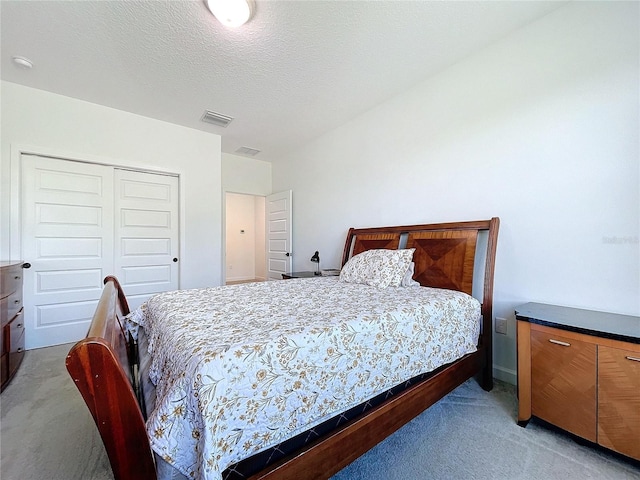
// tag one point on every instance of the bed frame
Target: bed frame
(104, 365)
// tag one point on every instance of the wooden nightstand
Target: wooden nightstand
(580, 370)
(330, 272)
(286, 276)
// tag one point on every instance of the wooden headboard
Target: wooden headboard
(445, 255)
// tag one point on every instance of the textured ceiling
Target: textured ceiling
(295, 71)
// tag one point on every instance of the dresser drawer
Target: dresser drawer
(16, 330)
(10, 280)
(4, 369)
(16, 352)
(10, 306)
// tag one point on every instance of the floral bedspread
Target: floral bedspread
(240, 368)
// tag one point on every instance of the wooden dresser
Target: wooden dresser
(580, 370)
(11, 314)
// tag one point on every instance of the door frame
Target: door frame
(15, 188)
(224, 228)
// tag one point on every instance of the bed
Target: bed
(445, 258)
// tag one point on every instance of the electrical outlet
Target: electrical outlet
(501, 325)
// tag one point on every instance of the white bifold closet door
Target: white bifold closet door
(146, 234)
(82, 222)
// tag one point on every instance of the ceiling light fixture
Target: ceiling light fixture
(23, 62)
(231, 13)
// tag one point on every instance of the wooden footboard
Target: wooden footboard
(104, 366)
(329, 454)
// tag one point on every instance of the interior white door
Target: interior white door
(146, 234)
(67, 237)
(278, 209)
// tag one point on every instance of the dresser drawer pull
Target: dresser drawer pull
(633, 359)
(19, 325)
(19, 350)
(558, 342)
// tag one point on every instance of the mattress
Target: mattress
(239, 369)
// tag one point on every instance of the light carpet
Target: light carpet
(46, 432)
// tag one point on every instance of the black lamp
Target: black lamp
(316, 259)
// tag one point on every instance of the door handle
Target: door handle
(175, 259)
(26, 265)
(287, 254)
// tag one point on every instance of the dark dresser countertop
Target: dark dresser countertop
(7, 263)
(602, 324)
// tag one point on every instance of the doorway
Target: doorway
(245, 245)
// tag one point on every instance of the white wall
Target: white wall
(540, 129)
(82, 130)
(245, 175)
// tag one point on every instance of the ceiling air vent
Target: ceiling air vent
(216, 118)
(247, 151)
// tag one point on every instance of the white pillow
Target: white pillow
(379, 267)
(408, 280)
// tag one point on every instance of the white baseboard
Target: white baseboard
(239, 279)
(505, 375)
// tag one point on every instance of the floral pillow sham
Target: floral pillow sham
(380, 268)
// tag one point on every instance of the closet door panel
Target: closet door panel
(67, 237)
(146, 233)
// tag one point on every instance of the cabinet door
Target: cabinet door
(563, 382)
(619, 400)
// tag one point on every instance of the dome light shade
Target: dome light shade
(231, 13)
(22, 62)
